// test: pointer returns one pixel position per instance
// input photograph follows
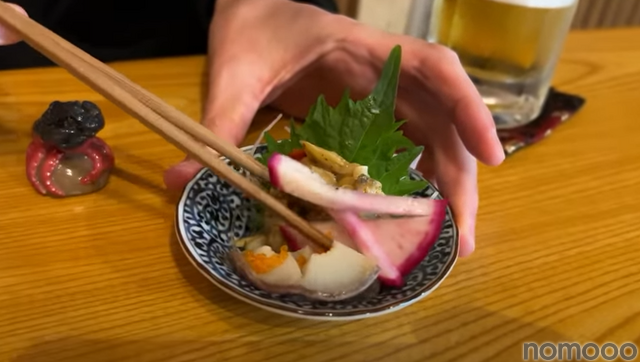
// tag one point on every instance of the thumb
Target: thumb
(8, 37)
(235, 93)
(250, 68)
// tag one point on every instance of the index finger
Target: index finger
(447, 82)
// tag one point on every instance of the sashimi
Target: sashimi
(404, 242)
(367, 244)
(294, 178)
(339, 273)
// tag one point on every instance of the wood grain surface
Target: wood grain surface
(606, 14)
(101, 277)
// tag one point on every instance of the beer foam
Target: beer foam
(545, 4)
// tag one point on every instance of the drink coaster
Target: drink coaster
(558, 108)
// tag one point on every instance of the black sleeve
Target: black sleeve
(328, 5)
(115, 30)
(205, 9)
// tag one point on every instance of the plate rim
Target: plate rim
(320, 314)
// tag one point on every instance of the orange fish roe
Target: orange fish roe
(301, 260)
(261, 263)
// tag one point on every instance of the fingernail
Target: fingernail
(466, 249)
(499, 151)
(467, 241)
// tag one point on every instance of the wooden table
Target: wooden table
(100, 278)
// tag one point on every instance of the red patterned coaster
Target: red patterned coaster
(558, 108)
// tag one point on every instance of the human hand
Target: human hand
(7, 37)
(286, 54)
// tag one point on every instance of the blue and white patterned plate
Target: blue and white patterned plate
(212, 213)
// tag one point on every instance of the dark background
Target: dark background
(112, 30)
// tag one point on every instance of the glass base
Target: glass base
(511, 107)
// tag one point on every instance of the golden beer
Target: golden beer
(508, 47)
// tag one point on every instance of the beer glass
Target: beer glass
(509, 48)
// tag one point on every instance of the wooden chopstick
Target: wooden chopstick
(183, 121)
(167, 111)
(151, 111)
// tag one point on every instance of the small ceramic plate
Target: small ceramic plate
(211, 214)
